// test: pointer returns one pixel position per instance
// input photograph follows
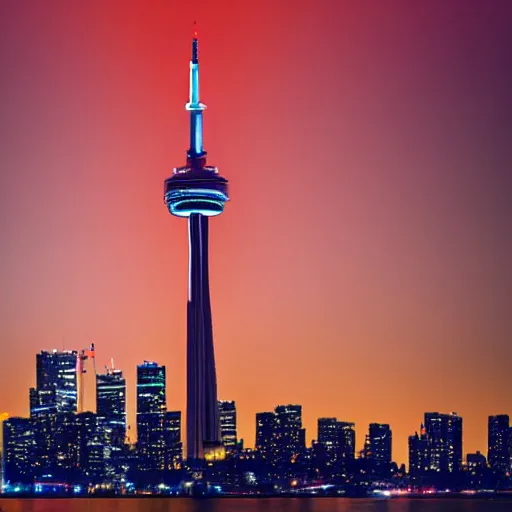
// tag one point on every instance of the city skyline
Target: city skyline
(57, 367)
(386, 296)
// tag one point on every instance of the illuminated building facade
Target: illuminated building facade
(197, 192)
(444, 434)
(111, 406)
(378, 445)
(151, 409)
(56, 370)
(227, 420)
(498, 438)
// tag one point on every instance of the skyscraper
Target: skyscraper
(444, 433)
(378, 444)
(111, 406)
(227, 420)
(57, 371)
(151, 408)
(498, 443)
(197, 191)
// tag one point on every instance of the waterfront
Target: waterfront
(255, 505)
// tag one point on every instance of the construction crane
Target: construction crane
(81, 358)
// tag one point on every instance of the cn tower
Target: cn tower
(197, 191)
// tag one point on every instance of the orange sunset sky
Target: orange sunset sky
(363, 265)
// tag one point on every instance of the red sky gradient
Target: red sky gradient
(363, 265)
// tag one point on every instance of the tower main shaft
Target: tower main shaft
(202, 408)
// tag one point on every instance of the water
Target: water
(255, 505)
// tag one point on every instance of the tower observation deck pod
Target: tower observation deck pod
(195, 187)
(197, 191)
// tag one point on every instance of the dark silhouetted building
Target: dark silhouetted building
(151, 409)
(378, 445)
(498, 453)
(444, 434)
(227, 419)
(172, 440)
(265, 434)
(419, 458)
(477, 476)
(476, 460)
